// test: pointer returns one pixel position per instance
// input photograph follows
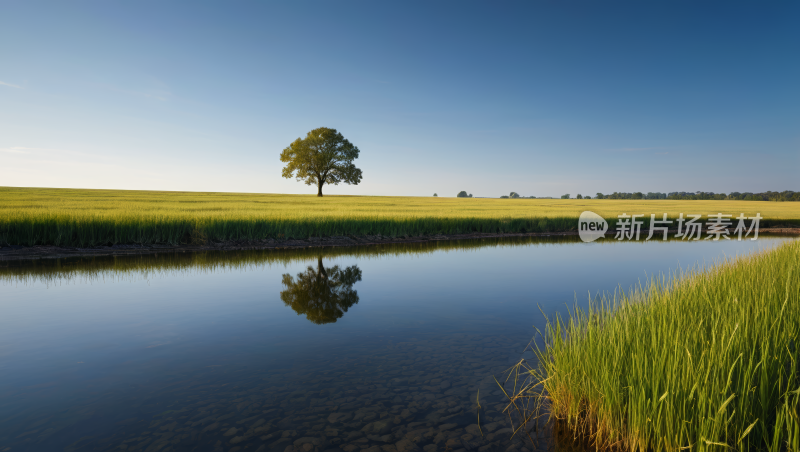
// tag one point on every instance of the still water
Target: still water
(383, 349)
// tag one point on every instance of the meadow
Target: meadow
(76, 217)
(707, 360)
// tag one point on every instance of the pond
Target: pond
(380, 349)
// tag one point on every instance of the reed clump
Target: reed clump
(704, 360)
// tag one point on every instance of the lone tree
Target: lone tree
(324, 156)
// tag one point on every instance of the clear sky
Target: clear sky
(541, 98)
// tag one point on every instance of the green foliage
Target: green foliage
(579, 196)
(705, 360)
(324, 156)
(565, 196)
(787, 195)
(599, 196)
(435, 195)
(462, 194)
(637, 195)
(513, 195)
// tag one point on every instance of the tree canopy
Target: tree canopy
(324, 156)
(323, 296)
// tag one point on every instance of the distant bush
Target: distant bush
(565, 196)
(435, 195)
(579, 196)
(462, 194)
(504, 197)
(513, 195)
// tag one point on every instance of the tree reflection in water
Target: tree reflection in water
(322, 295)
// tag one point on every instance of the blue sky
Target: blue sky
(541, 98)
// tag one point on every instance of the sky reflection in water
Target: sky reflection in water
(341, 349)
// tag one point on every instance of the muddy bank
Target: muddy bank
(19, 253)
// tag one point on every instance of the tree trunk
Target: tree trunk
(319, 190)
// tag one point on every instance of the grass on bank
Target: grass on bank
(73, 217)
(703, 361)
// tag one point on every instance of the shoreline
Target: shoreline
(23, 253)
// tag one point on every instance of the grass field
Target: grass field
(71, 217)
(704, 361)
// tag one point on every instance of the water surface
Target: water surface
(381, 349)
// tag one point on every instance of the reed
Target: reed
(706, 359)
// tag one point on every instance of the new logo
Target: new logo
(591, 226)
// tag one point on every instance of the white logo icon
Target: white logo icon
(591, 226)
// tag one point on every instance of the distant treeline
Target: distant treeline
(787, 195)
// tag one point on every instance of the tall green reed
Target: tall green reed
(703, 360)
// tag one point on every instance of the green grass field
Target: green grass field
(704, 361)
(71, 217)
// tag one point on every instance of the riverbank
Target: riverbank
(22, 253)
(19, 253)
(707, 360)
